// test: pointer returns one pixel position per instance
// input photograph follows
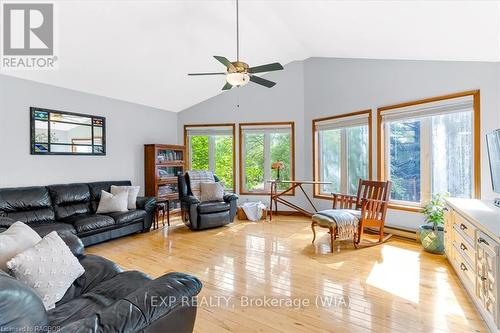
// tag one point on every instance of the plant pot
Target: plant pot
(432, 240)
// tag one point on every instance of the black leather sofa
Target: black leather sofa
(204, 215)
(103, 299)
(71, 208)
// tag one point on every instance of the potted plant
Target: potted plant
(432, 233)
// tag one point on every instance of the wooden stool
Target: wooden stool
(160, 210)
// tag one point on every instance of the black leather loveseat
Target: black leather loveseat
(71, 208)
(104, 299)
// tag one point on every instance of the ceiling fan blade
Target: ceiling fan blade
(225, 62)
(275, 66)
(227, 86)
(261, 81)
(193, 74)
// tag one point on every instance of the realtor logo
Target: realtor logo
(28, 29)
(28, 36)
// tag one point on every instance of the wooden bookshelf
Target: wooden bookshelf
(162, 165)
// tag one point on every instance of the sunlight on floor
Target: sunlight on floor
(447, 304)
(397, 273)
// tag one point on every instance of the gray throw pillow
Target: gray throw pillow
(211, 192)
(18, 238)
(133, 192)
(49, 267)
(110, 203)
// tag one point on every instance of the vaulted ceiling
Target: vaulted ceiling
(141, 51)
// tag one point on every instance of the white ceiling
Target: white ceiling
(141, 51)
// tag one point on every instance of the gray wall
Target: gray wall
(333, 86)
(129, 127)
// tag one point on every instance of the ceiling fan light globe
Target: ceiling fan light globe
(238, 79)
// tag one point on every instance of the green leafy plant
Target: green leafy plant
(434, 210)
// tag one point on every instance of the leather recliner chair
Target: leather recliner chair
(199, 215)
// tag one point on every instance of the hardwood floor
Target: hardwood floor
(394, 287)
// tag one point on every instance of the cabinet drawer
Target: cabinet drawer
(463, 246)
(467, 229)
(464, 270)
(487, 243)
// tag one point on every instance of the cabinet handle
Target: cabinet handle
(463, 226)
(463, 267)
(483, 278)
(482, 240)
(463, 247)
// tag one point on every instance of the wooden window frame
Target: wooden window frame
(315, 147)
(476, 144)
(241, 157)
(188, 149)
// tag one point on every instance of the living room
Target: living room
(250, 166)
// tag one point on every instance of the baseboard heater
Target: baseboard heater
(403, 233)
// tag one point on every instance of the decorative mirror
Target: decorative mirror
(66, 133)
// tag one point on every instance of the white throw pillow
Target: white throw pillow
(110, 203)
(133, 192)
(49, 267)
(211, 192)
(16, 239)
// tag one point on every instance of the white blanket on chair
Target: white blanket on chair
(198, 177)
(345, 220)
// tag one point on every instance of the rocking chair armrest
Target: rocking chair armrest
(346, 200)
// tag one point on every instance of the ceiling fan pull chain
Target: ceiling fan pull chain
(237, 33)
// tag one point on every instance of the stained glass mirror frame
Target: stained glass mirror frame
(95, 144)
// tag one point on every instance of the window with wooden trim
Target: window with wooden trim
(211, 147)
(341, 152)
(261, 145)
(429, 147)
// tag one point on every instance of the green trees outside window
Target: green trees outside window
(343, 158)
(404, 140)
(431, 155)
(199, 152)
(218, 159)
(264, 145)
(259, 158)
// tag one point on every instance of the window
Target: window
(429, 147)
(211, 147)
(261, 145)
(341, 152)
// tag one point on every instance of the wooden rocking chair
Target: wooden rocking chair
(371, 201)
